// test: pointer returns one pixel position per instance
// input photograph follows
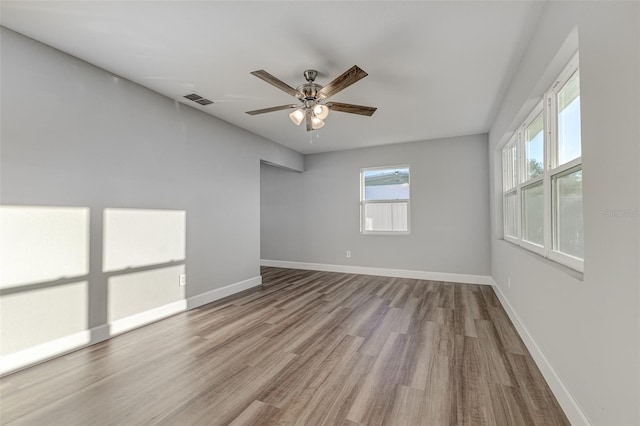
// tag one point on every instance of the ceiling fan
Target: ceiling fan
(312, 95)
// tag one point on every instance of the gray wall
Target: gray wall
(75, 135)
(314, 216)
(588, 329)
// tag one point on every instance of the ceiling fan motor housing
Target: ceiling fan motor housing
(309, 90)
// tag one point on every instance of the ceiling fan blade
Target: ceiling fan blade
(275, 108)
(351, 108)
(263, 75)
(343, 81)
(307, 119)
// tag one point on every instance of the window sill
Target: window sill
(385, 232)
(578, 275)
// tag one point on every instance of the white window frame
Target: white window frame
(538, 110)
(551, 170)
(553, 254)
(363, 202)
(555, 170)
(523, 183)
(508, 190)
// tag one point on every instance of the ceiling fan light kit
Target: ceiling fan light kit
(311, 95)
(316, 123)
(297, 116)
(321, 111)
(318, 114)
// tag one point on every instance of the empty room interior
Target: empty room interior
(337, 213)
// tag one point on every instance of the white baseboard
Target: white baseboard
(220, 293)
(99, 333)
(28, 357)
(383, 272)
(44, 351)
(125, 324)
(569, 404)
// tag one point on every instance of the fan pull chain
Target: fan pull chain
(311, 135)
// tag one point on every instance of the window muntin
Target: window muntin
(542, 205)
(385, 195)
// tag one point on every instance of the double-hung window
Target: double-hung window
(542, 175)
(384, 200)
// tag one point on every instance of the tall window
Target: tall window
(542, 175)
(384, 200)
(531, 190)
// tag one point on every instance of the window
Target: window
(568, 107)
(532, 214)
(567, 198)
(511, 215)
(542, 175)
(534, 146)
(384, 200)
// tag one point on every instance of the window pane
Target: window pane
(511, 167)
(532, 214)
(386, 184)
(534, 148)
(513, 157)
(385, 217)
(568, 225)
(569, 136)
(510, 212)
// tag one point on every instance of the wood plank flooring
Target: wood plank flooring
(309, 348)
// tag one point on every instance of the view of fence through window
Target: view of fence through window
(385, 199)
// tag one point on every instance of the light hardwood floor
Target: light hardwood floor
(309, 348)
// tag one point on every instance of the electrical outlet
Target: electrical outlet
(183, 280)
(348, 253)
(509, 282)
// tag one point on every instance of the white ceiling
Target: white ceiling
(436, 69)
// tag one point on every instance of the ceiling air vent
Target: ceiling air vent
(198, 99)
